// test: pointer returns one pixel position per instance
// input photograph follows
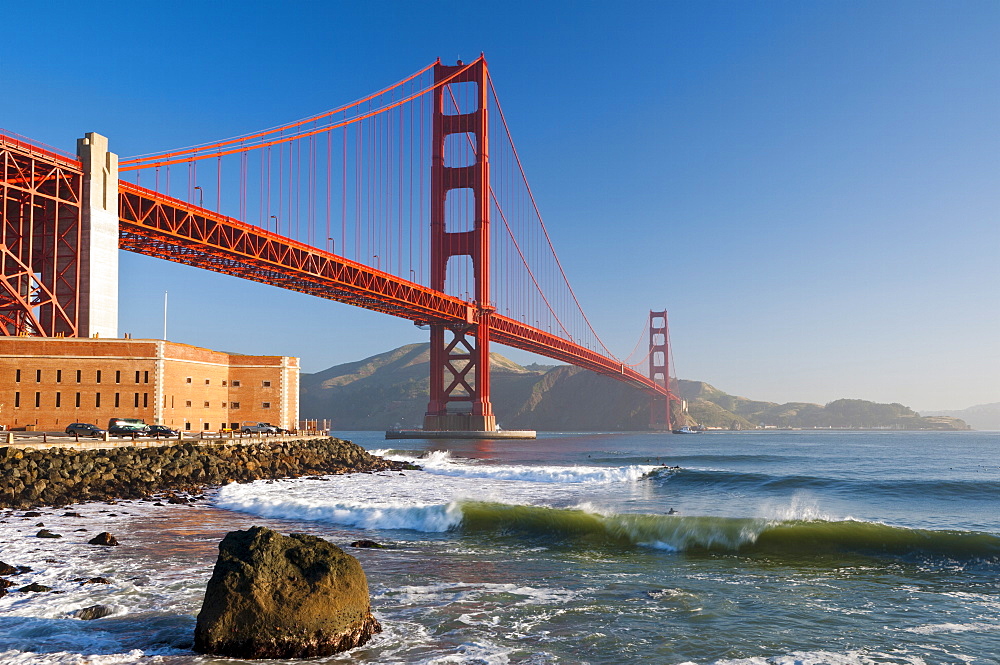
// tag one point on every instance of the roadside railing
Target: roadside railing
(10, 437)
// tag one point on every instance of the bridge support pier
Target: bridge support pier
(99, 238)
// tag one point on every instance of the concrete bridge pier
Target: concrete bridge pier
(99, 238)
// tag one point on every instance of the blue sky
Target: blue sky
(811, 189)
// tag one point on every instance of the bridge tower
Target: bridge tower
(460, 354)
(659, 370)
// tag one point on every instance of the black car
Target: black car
(84, 429)
(131, 431)
(161, 430)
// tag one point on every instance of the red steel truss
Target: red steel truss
(40, 233)
(167, 228)
(41, 258)
(161, 226)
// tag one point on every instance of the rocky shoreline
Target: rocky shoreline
(32, 477)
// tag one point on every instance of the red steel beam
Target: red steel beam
(528, 338)
(161, 226)
(157, 225)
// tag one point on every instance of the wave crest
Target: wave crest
(430, 518)
(725, 534)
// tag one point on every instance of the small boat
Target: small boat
(686, 430)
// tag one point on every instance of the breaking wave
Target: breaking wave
(674, 533)
(441, 463)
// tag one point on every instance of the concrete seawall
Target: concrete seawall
(57, 476)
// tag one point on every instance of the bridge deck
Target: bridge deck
(157, 225)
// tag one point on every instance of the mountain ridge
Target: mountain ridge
(979, 416)
(390, 390)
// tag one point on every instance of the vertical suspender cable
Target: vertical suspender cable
(343, 196)
(329, 184)
(281, 186)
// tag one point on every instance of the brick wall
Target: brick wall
(47, 383)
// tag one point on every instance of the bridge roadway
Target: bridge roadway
(158, 225)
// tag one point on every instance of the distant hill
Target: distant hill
(981, 416)
(390, 390)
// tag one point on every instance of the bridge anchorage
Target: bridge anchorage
(437, 225)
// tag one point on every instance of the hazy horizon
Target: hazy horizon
(810, 189)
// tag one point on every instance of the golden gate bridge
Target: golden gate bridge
(411, 201)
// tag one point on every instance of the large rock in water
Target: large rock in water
(274, 596)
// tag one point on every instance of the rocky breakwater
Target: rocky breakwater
(58, 476)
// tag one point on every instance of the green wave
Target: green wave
(725, 534)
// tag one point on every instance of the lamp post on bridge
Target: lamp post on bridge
(201, 196)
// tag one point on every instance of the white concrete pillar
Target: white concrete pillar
(99, 244)
(289, 395)
(159, 393)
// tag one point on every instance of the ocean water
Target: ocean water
(743, 548)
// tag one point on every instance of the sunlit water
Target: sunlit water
(847, 548)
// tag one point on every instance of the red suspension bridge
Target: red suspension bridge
(411, 201)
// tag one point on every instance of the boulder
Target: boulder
(35, 587)
(91, 580)
(7, 569)
(274, 596)
(92, 612)
(367, 543)
(45, 533)
(103, 538)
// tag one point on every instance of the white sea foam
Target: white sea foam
(514, 594)
(801, 506)
(69, 658)
(442, 463)
(392, 454)
(976, 626)
(474, 653)
(431, 518)
(861, 657)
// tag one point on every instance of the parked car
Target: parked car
(258, 428)
(84, 429)
(161, 430)
(127, 427)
